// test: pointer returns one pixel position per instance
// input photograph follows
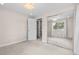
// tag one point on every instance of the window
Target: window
(58, 25)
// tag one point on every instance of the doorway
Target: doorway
(39, 29)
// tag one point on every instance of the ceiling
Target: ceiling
(40, 9)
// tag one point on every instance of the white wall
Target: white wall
(32, 29)
(12, 27)
(70, 26)
(76, 33)
(44, 29)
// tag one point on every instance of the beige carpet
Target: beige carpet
(33, 48)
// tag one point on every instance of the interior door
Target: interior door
(31, 29)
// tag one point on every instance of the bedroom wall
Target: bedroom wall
(76, 31)
(13, 27)
(70, 23)
(44, 29)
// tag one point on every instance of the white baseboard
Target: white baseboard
(6, 44)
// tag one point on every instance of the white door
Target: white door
(31, 29)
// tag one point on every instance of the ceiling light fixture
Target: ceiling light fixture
(29, 6)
